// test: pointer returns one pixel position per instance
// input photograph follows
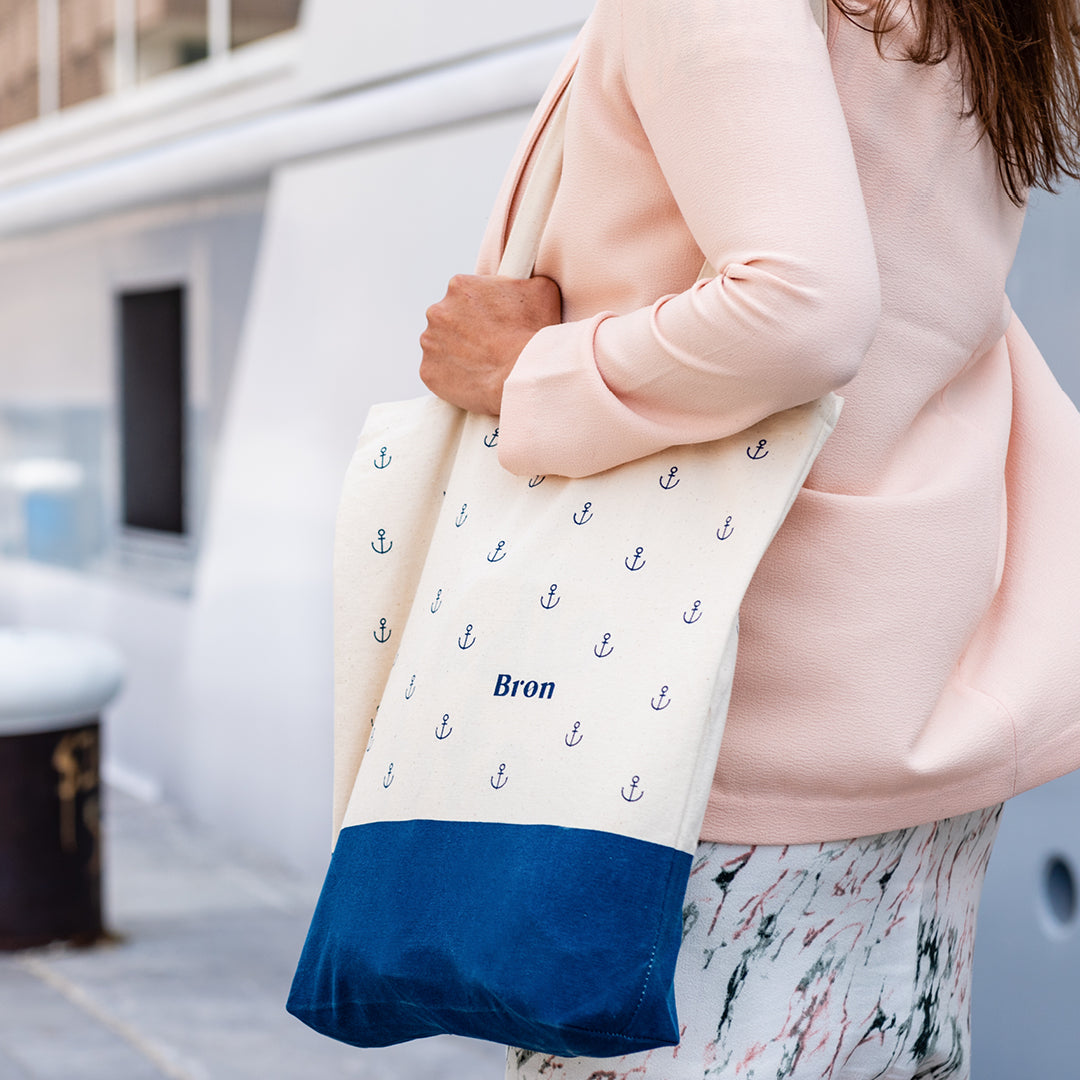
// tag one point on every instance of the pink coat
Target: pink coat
(910, 646)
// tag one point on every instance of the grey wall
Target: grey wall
(1027, 961)
(1044, 285)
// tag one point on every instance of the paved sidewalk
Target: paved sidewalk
(195, 987)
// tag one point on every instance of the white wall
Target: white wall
(352, 43)
(57, 352)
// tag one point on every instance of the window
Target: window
(253, 19)
(152, 395)
(170, 34)
(18, 61)
(57, 53)
(87, 47)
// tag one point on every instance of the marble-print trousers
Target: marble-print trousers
(848, 960)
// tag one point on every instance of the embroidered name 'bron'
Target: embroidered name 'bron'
(505, 686)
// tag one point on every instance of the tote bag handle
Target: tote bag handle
(538, 196)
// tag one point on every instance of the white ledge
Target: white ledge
(169, 105)
(241, 154)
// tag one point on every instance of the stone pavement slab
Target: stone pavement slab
(194, 987)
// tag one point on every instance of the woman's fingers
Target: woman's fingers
(476, 332)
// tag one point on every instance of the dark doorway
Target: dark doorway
(152, 409)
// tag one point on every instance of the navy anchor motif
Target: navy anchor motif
(388, 779)
(444, 732)
(574, 738)
(760, 452)
(500, 782)
(727, 529)
(411, 688)
(492, 439)
(382, 635)
(635, 794)
(536, 481)
(437, 602)
(551, 600)
(671, 480)
(584, 515)
(382, 460)
(499, 553)
(604, 648)
(638, 561)
(661, 702)
(383, 547)
(692, 616)
(463, 516)
(465, 642)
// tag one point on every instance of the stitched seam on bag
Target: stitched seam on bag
(312, 1010)
(655, 946)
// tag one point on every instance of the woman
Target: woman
(908, 650)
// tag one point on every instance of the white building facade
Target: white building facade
(300, 200)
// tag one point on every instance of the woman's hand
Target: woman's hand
(476, 332)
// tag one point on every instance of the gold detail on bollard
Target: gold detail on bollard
(76, 760)
(91, 815)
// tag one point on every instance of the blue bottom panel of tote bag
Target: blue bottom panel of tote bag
(582, 967)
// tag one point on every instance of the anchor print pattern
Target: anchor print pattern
(544, 702)
(584, 515)
(671, 480)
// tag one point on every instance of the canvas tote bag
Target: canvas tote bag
(532, 677)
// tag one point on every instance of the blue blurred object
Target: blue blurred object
(51, 489)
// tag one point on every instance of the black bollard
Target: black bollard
(53, 687)
(50, 836)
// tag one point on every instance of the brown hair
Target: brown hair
(1020, 65)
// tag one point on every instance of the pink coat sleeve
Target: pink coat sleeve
(737, 101)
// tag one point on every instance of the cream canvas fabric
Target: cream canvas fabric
(568, 653)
